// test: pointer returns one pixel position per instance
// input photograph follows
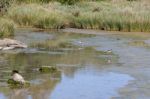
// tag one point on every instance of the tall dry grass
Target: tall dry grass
(35, 15)
(116, 15)
(120, 16)
(6, 28)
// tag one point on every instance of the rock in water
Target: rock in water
(8, 48)
(8, 44)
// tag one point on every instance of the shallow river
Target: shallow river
(87, 69)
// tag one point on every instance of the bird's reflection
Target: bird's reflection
(19, 94)
(41, 90)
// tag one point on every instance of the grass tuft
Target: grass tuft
(6, 28)
(105, 15)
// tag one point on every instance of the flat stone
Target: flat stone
(9, 44)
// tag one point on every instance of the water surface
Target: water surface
(86, 69)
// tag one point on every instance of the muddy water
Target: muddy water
(87, 71)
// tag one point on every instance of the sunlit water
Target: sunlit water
(85, 71)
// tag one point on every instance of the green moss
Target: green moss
(48, 69)
(15, 84)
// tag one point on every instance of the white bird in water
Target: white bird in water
(17, 77)
(80, 42)
(109, 51)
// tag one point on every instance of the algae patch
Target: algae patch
(15, 84)
(48, 69)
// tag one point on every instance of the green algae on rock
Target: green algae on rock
(15, 84)
(48, 69)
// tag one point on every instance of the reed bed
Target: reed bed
(6, 28)
(111, 15)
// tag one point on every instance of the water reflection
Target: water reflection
(82, 86)
(43, 90)
(19, 94)
(68, 61)
(37, 91)
(81, 69)
(90, 86)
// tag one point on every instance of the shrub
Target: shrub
(6, 28)
(26, 15)
(50, 21)
(36, 16)
(121, 16)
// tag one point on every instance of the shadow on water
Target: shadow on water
(84, 67)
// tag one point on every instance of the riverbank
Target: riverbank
(97, 32)
(127, 16)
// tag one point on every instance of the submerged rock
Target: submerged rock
(45, 69)
(16, 84)
(9, 44)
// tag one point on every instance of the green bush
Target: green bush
(50, 21)
(26, 15)
(6, 28)
(120, 16)
(34, 15)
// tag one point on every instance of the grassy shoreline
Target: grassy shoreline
(7, 27)
(116, 15)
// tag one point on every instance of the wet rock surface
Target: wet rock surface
(9, 44)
